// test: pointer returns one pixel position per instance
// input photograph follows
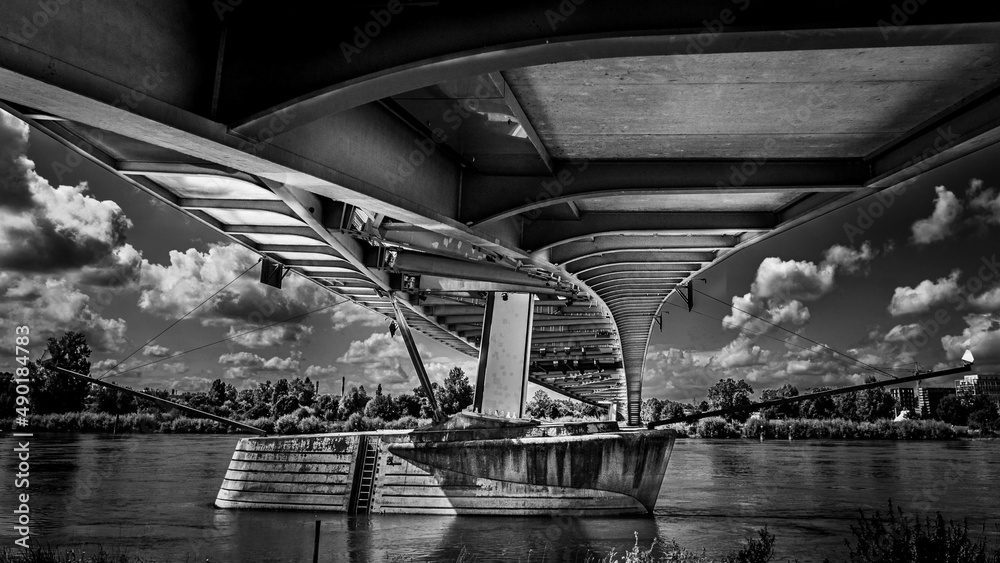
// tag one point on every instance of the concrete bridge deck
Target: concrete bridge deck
(596, 155)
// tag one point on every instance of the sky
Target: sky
(904, 279)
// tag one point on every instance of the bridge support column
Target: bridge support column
(502, 380)
(613, 412)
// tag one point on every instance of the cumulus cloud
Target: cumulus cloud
(980, 209)
(174, 367)
(927, 294)
(316, 372)
(156, 351)
(53, 306)
(170, 291)
(903, 333)
(353, 315)
(46, 229)
(284, 334)
(984, 202)
(382, 359)
(981, 335)
(938, 226)
(781, 288)
(742, 352)
(56, 242)
(986, 302)
(243, 365)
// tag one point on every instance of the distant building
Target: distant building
(978, 384)
(927, 399)
(905, 399)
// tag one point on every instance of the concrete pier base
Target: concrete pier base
(458, 467)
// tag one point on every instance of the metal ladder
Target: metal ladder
(366, 488)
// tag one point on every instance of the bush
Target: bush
(755, 427)
(895, 538)
(716, 428)
(311, 425)
(406, 422)
(287, 424)
(755, 551)
(264, 423)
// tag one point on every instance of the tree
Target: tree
(952, 410)
(425, 403)
(790, 410)
(457, 393)
(112, 401)
(286, 404)
(729, 393)
(407, 405)
(875, 404)
(56, 392)
(217, 393)
(353, 401)
(542, 406)
(822, 407)
(650, 409)
(671, 410)
(381, 406)
(983, 414)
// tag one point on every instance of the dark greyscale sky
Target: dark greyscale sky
(914, 280)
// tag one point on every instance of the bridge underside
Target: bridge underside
(593, 157)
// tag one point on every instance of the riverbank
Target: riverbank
(302, 422)
(838, 429)
(166, 423)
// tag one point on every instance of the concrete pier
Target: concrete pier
(459, 467)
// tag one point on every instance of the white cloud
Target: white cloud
(850, 260)
(353, 315)
(53, 306)
(156, 351)
(781, 287)
(243, 365)
(985, 203)
(981, 335)
(315, 372)
(742, 352)
(927, 294)
(939, 225)
(55, 242)
(986, 302)
(903, 333)
(192, 277)
(284, 334)
(174, 367)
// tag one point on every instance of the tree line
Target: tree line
(53, 392)
(869, 405)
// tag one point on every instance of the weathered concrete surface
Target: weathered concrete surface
(632, 464)
(578, 469)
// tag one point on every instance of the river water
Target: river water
(151, 495)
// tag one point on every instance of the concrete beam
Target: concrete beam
(598, 245)
(542, 234)
(292, 72)
(490, 198)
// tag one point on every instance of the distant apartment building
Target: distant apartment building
(927, 399)
(905, 399)
(978, 384)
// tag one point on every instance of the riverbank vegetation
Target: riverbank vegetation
(892, 536)
(867, 414)
(58, 402)
(835, 428)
